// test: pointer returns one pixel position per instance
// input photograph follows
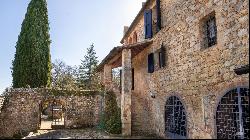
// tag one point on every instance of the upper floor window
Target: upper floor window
(152, 20)
(130, 40)
(209, 30)
(148, 24)
(135, 37)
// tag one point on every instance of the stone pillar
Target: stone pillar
(126, 92)
(107, 76)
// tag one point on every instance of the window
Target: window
(130, 41)
(151, 63)
(162, 54)
(152, 20)
(133, 79)
(158, 7)
(211, 31)
(135, 37)
(208, 30)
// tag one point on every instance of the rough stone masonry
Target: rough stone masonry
(198, 75)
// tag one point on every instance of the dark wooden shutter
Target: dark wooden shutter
(120, 80)
(163, 57)
(148, 24)
(133, 79)
(158, 7)
(151, 63)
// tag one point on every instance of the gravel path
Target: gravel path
(75, 134)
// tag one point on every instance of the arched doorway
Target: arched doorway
(232, 115)
(175, 119)
(52, 114)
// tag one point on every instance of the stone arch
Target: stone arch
(177, 106)
(52, 110)
(232, 111)
(219, 93)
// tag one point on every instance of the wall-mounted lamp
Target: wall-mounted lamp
(152, 94)
(22, 100)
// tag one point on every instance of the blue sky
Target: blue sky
(74, 25)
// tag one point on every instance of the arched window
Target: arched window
(135, 37)
(130, 40)
(175, 119)
(232, 115)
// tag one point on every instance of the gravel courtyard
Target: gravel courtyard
(75, 134)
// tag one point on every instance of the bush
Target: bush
(112, 116)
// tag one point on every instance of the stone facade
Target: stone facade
(199, 76)
(22, 110)
(1, 102)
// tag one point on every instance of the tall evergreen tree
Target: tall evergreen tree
(32, 62)
(87, 68)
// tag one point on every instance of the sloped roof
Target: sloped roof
(136, 48)
(136, 19)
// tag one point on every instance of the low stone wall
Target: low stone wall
(20, 113)
(22, 109)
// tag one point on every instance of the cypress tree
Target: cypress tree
(32, 62)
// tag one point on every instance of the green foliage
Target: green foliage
(87, 75)
(32, 62)
(64, 76)
(112, 114)
(59, 92)
(101, 124)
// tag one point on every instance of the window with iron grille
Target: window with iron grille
(208, 29)
(211, 31)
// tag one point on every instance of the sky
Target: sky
(74, 26)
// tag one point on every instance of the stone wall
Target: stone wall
(1, 102)
(192, 72)
(22, 109)
(20, 113)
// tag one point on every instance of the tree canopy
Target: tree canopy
(32, 62)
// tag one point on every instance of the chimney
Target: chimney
(125, 29)
(143, 3)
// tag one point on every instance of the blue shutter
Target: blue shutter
(148, 24)
(158, 7)
(145, 23)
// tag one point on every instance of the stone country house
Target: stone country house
(185, 70)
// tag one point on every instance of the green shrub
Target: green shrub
(112, 116)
